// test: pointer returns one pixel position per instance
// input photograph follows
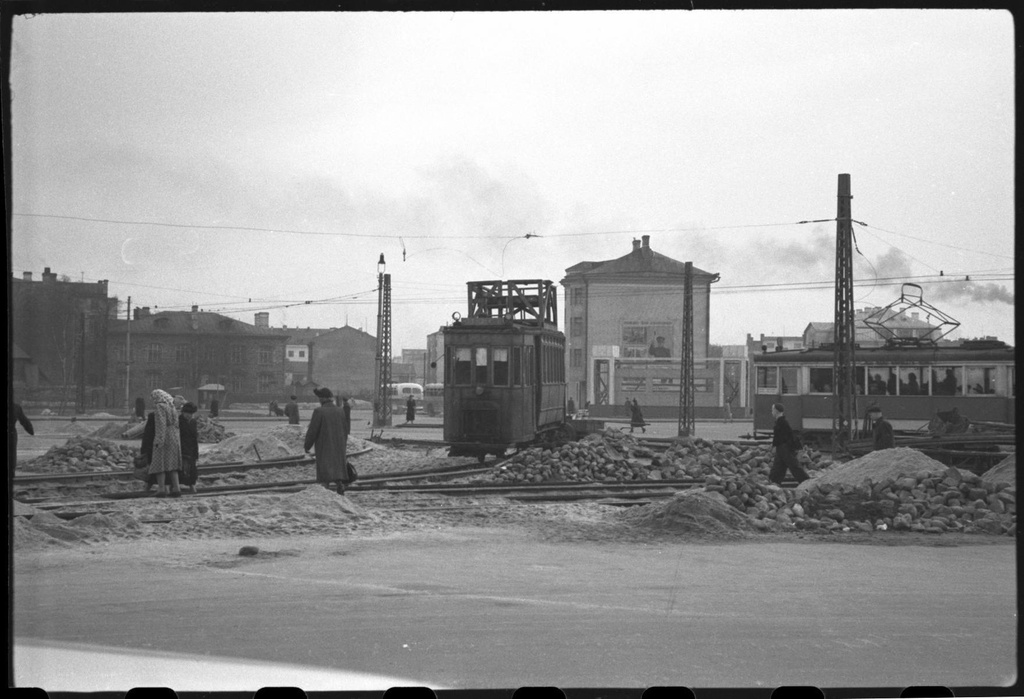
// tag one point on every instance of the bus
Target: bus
(400, 393)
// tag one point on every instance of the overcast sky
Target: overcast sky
(291, 149)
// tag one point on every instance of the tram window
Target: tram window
(821, 380)
(463, 374)
(859, 379)
(501, 366)
(910, 381)
(881, 381)
(980, 380)
(517, 366)
(479, 365)
(788, 379)
(767, 379)
(947, 381)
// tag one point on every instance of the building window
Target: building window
(576, 327)
(181, 353)
(576, 296)
(291, 354)
(266, 355)
(576, 358)
(207, 353)
(180, 380)
(302, 354)
(266, 383)
(238, 383)
(152, 380)
(153, 352)
(237, 354)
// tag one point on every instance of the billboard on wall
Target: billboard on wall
(643, 338)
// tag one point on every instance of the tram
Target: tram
(910, 384)
(504, 373)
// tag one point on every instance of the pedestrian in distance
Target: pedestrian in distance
(166, 462)
(214, 408)
(410, 409)
(326, 434)
(189, 433)
(784, 443)
(570, 408)
(140, 408)
(636, 417)
(14, 418)
(881, 430)
(291, 409)
(146, 450)
(346, 406)
(727, 409)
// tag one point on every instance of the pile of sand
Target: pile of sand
(111, 430)
(1005, 471)
(878, 465)
(692, 512)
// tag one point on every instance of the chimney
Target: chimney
(647, 240)
(195, 308)
(144, 312)
(263, 319)
(27, 276)
(636, 244)
(49, 276)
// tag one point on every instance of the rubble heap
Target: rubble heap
(211, 431)
(80, 454)
(613, 456)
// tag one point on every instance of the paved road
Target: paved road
(480, 608)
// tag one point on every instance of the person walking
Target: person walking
(410, 410)
(881, 430)
(785, 449)
(346, 406)
(291, 409)
(189, 446)
(166, 462)
(570, 408)
(326, 433)
(140, 408)
(14, 418)
(636, 417)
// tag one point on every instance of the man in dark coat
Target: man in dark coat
(189, 432)
(291, 409)
(410, 409)
(785, 449)
(14, 418)
(326, 432)
(148, 437)
(881, 430)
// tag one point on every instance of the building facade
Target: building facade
(623, 327)
(344, 360)
(185, 351)
(59, 328)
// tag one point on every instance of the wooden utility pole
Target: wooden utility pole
(844, 392)
(687, 419)
(128, 361)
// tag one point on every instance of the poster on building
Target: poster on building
(647, 339)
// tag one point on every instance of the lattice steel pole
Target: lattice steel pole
(382, 407)
(687, 421)
(844, 393)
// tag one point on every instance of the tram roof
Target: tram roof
(894, 355)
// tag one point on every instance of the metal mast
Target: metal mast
(382, 407)
(128, 362)
(687, 418)
(844, 393)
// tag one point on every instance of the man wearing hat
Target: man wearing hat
(189, 432)
(881, 429)
(327, 433)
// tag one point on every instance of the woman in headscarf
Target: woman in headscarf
(166, 445)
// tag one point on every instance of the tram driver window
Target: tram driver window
(821, 380)
(947, 381)
(480, 365)
(517, 366)
(501, 366)
(462, 373)
(980, 380)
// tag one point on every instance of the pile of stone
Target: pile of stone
(80, 454)
(883, 490)
(211, 431)
(614, 457)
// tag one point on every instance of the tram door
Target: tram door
(602, 382)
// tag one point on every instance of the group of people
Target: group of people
(170, 445)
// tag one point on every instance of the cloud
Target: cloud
(970, 292)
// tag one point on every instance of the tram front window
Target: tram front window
(462, 372)
(500, 366)
(480, 365)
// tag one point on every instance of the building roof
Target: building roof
(303, 336)
(641, 260)
(186, 322)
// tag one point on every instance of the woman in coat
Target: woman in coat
(410, 409)
(166, 461)
(189, 446)
(636, 417)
